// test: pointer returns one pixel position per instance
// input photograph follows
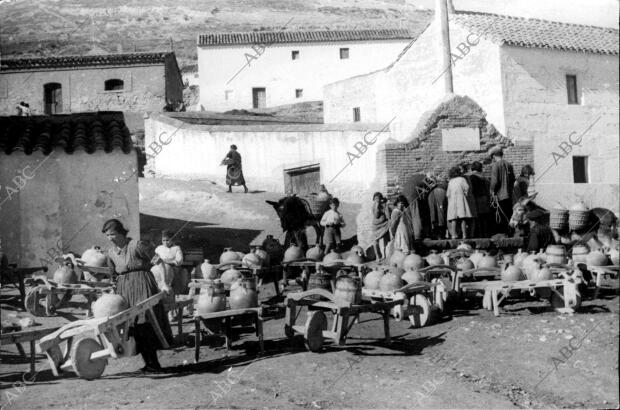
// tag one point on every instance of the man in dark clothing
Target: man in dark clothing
(416, 189)
(502, 182)
(540, 234)
(479, 186)
(438, 206)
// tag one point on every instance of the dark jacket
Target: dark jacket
(480, 190)
(438, 205)
(502, 179)
(520, 188)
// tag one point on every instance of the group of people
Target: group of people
(465, 205)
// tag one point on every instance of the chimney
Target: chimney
(441, 16)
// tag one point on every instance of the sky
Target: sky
(590, 12)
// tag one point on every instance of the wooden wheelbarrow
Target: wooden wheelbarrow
(345, 315)
(87, 356)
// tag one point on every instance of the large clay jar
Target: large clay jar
(252, 261)
(390, 282)
(542, 255)
(519, 257)
(355, 258)
(273, 248)
(372, 279)
(266, 260)
(358, 249)
(556, 254)
(476, 257)
(109, 304)
(229, 256)
(212, 297)
(208, 271)
(243, 294)
(332, 259)
(580, 254)
(464, 264)
(511, 273)
(597, 258)
(542, 274)
(614, 256)
(65, 275)
(488, 261)
(464, 247)
(348, 290)
(231, 275)
(434, 259)
(396, 270)
(530, 264)
(397, 258)
(413, 261)
(412, 276)
(94, 257)
(315, 253)
(293, 253)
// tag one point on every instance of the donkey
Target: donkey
(295, 216)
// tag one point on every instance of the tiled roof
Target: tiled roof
(535, 33)
(90, 132)
(271, 37)
(84, 61)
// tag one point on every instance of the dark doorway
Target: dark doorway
(259, 98)
(53, 98)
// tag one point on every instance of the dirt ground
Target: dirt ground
(530, 356)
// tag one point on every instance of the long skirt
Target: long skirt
(234, 175)
(138, 286)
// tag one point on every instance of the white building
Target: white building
(266, 69)
(540, 83)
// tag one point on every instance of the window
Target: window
(344, 53)
(571, 89)
(580, 170)
(295, 54)
(299, 93)
(356, 114)
(228, 94)
(259, 98)
(114, 85)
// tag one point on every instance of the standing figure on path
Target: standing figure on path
(400, 227)
(380, 225)
(131, 261)
(502, 182)
(332, 220)
(458, 206)
(234, 171)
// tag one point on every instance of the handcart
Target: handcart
(16, 277)
(345, 315)
(87, 356)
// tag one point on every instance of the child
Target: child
(400, 230)
(169, 275)
(332, 221)
(380, 225)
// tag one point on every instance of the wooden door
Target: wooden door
(302, 180)
(53, 98)
(259, 98)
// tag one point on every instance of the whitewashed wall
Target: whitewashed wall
(196, 151)
(275, 70)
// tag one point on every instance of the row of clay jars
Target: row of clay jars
(212, 298)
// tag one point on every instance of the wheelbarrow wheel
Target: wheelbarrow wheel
(315, 324)
(32, 301)
(83, 366)
(420, 310)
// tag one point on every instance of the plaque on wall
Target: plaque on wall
(460, 139)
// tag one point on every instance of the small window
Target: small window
(344, 53)
(114, 85)
(295, 54)
(356, 114)
(571, 89)
(228, 94)
(580, 170)
(299, 93)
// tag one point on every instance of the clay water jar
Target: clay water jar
(293, 253)
(412, 276)
(355, 258)
(372, 279)
(208, 271)
(488, 261)
(65, 275)
(230, 275)
(413, 261)
(614, 256)
(263, 255)
(94, 257)
(476, 257)
(252, 261)
(332, 259)
(397, 258)
(390, 281)
(315, 253)
(597, 258)
(556, 254)
(229, 256)
(109, 304)
(511, 273)
(519, 257)
(464, 264)
(212, 297)
(273, 248)
(542, 274)
(243, 294)
(434, 259)
(580, 254)
(348, 289)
